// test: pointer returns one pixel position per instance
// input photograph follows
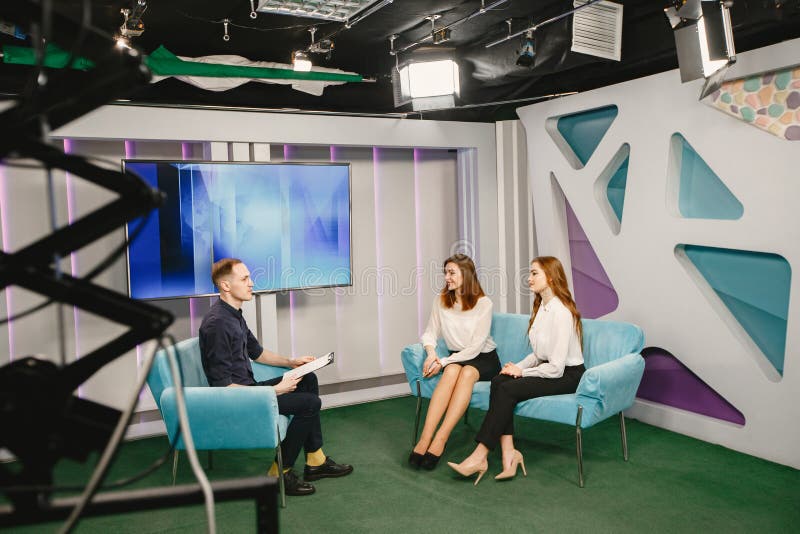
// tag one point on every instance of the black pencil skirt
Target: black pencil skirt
(487, 364)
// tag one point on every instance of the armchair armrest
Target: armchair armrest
(262, 371)
(613, 384)
(413, 356)
(225, 418)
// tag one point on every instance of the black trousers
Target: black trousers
(305, 429)
(507, 391)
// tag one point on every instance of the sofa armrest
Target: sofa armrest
(225, 418)
(613, 384)
(262, 371)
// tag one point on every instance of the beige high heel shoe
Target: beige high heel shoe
(511, 472)
(481, 468)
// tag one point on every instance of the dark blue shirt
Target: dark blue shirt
(227, 346)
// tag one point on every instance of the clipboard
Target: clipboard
(313, 365)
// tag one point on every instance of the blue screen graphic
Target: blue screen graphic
(289, 223)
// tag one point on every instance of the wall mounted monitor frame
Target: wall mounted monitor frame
(290, 223)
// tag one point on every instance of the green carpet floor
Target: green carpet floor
(672, 483)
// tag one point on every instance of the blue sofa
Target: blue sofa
(219, 418)
(614, 368)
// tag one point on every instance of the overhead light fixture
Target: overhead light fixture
(301, 61)
(704, 40)
(525, 58)
(339, 11)
(122, 42)
(438, 35)
(427, 84)
(132, 25)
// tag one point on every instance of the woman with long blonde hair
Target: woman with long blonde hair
(553, 368)
(462, 315)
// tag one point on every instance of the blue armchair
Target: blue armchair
(614, 369)
(220, 418)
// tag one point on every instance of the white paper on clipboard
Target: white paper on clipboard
(310, 367)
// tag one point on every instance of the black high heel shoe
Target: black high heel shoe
(415, 459)
(430, 461)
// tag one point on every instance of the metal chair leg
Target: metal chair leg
(419, 409)
(623, 436)
(579, 444)
(174, 466)
(279, 458)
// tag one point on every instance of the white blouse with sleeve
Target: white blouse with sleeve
(466, 332)
(554, 342)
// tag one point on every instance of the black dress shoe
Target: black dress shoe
(430, 461)
(329, 469)
(415, 459)
(294, 486)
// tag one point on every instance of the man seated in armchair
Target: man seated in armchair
(226, 343)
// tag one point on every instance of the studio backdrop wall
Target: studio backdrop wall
(681, 216)
(415, 198)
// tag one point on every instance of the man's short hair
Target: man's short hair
(222, 268)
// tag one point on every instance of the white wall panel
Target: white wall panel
(655, 291)
(358, 352)
(396, 238)
(436, 227)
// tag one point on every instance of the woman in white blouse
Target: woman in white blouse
(553, 368)
(462, 315)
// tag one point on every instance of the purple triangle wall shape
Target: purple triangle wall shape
(667, 381)
(593, 292)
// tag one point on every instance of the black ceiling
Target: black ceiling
(488, 75)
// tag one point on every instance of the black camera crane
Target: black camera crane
(41, 419)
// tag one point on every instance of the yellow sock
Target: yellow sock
(315, 458)
(273, 469)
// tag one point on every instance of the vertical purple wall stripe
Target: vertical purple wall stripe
(6, 248)
(378, 258)
(73, 258)
(417, 225)
(287, 155)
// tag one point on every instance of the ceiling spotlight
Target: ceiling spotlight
(301, 61)
(438, 35)
(525, 58)
(323, 46)
(703, 39)
(132, 25)
(122, 42)
(427, 84)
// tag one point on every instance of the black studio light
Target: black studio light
(528, 51)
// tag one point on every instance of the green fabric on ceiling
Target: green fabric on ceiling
(164, 63)
(54, 57)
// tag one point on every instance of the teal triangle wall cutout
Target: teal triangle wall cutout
(583, 131)
(754, 286)
(616, 188)
(702, 195)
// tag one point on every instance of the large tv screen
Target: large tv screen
(288, 222)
